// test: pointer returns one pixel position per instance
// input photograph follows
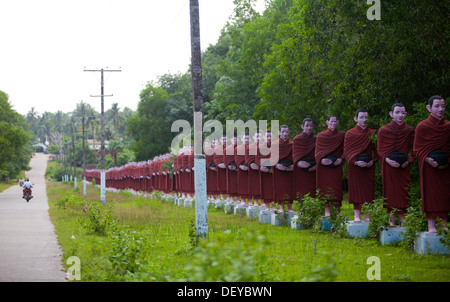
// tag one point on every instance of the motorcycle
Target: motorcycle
(27, 195)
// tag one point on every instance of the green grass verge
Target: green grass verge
(146, 239)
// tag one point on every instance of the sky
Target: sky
(46, 45)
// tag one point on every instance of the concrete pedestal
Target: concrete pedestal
(188, 202)
(281, 218)
(219, 204)
(229, 207)
(240, 210)
(253, 212)
(391, 235)
(265, 216)
(326, 224)
(429, 243)
(357, 229)
(294, 223)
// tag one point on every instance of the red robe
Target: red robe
(329, 179)
(175, 174)
(185, 180)
(211, 175)
(265, 177)
(242, 175)
(254, 181)
(191, 175)
(232, 179)
(395, 138)
(219, 152)
(433, 134)
(179, 160)
(361, 181)
(283, 180)
(303, 146)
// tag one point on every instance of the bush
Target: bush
(69, 201)
(379, 217)
(226, 259)
(415, 222)
(100, 220)
(126, 252)
(310, 211)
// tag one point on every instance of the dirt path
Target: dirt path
(29, 250)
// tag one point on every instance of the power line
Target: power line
(102, 149)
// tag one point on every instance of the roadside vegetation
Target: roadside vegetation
(137, 238)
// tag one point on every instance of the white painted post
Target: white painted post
(102, 187)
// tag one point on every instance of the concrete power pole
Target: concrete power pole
(201, 210)
(102, 180)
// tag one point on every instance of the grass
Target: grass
(151, 241)
(6, 185)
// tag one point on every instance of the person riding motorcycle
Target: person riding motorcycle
(27, 185)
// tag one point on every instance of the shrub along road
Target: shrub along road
(29, 250)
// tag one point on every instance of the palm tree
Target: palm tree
(93, 123)
(45, 127)
(116, 117)
(32, 118)
(115, 147)
(58, 122)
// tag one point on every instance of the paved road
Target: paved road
(29, 251)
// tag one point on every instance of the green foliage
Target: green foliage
(323, 273)
(442, 230)
(15, 147)
(224, 259)
(415, 220)
(126, 252)
(162, 231)
(148, 127)
(70, 201)
(310, 211)
(379, 217)
(100, 220)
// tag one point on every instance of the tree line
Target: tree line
(307, 58)
(297, 59)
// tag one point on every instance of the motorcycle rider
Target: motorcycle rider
(27, 185)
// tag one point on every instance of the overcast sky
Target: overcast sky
(45, 46)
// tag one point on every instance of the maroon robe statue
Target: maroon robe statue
(396, 181)
(254, 181)
(361, 180)
(329, 143)
(303, 147)
(283, 180)
(433, 134)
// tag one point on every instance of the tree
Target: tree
(115, 147)
(149, 127)
(115, 117)
(15, 142)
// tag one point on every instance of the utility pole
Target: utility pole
(201, 210)
(102, 179)
(84, 152)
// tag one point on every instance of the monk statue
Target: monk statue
(282, 176)
(254, 180)
(265, 170)
(303, 146)
(328, 155)
(360, 152)
(395, 143)
(432, 149)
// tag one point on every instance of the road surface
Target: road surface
(29, 250)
